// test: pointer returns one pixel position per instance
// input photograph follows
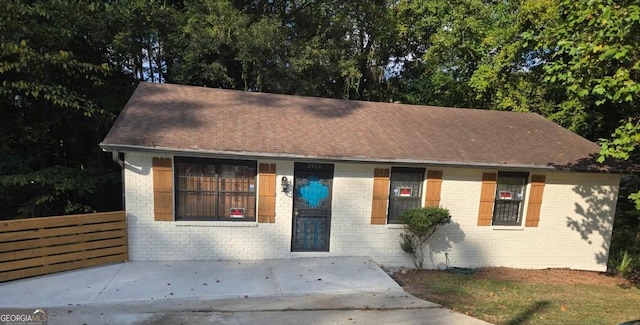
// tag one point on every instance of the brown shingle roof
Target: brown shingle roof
(215, 121)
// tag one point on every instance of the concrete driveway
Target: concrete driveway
(331, 290)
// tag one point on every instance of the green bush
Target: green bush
(421, 223)
(624, 255)
(624, 263)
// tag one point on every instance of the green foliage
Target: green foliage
(144, 44)
(597, 56)
(626, 227)
(421, 223)
(58, 97)
(595, 61)
(623, 262)
(37, 67)
(227, 47)
(474, 54)
(55, 190)
(323, 48)
(406, 243)
(623, 142)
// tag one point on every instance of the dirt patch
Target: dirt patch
(412, 278)
(559, 276)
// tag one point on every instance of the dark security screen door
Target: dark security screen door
(311, 207)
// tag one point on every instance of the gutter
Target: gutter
(260, 155)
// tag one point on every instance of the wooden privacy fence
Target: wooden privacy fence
(36, 246)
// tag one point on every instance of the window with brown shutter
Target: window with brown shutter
(215, 189)
(162, 189)
(434, 185)
(535, 200)
(509, 197)
(502, 198)
(267, 193)
(380, 196)
(405, 191)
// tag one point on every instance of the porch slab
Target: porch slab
(166, 280)
(293, 291)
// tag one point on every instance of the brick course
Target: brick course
(574, 230)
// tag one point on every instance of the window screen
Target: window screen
(208, 189)
(509, 197)
(405, 191)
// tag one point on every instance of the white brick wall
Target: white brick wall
(574, 229)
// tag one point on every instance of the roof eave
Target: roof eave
(266, 155)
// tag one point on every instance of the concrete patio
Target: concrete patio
(304, 290)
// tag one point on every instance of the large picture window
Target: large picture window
(215, 189)
(405, 191)
(509, 197)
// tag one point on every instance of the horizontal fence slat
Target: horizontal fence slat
(54, 232)
(49, 222)
(69, 248)
(61, 258)
(52, 241)
(25, 273)
(36, 246)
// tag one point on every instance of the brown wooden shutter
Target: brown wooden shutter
(535, 200)
(267, 193)
(487, 198)
(162, 189)
(380, 196)
(434, 185)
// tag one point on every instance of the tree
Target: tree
(223, 46)
(142, 45)
(322, 48)
(474, 53)
(56, 105)
(421, 223)
(596, 61)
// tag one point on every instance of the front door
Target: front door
(311, 207)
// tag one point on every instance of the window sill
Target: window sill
(395, 226)
(520, 228)
(216, 224)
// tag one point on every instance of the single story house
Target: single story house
(226, 174)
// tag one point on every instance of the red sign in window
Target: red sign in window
(237, 213)
(405, 191)
(505, 195)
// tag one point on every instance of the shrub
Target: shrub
(421, 223)
(623, 262)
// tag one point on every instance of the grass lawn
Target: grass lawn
(507, 296)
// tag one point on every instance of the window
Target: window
(405, 191)
(215, 189)
(509, 197)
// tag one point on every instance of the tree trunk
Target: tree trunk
(45, 116)
(418, 254)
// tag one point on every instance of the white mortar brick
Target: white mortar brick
(574, 229)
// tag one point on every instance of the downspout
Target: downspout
(115, 155)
